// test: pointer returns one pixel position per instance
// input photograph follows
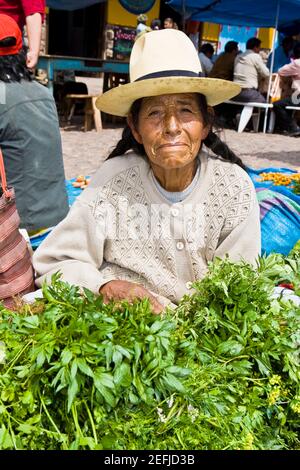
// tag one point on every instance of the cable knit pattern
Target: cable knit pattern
(131, 231)
(145, 260)
(228, 202)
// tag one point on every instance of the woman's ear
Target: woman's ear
(133, 129)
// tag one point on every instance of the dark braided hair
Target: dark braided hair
(220, 149)
(212, 141)
(13, 68)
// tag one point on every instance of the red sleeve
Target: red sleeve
(34, 6)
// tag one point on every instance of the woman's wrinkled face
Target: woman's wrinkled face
(171, 128)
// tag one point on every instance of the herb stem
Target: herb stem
(244, 356)
(13, 361)
(12, 435)
(48, 415)
(91, 421)
(75, 418)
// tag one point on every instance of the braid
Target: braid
(214, 143)
(127, 142)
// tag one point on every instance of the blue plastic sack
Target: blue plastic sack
(73, 193)
(279, 213)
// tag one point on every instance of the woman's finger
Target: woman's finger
(156, 306)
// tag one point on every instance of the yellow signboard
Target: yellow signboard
(210, 32)
(116, 14)
(266, 37)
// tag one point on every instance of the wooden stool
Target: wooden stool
(91, 113)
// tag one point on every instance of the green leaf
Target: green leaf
(107, 380)
(133, 398)
(230, 347)
(89, 294)
(137, 351)
(72, 392)
(173, 384)
(26, 428)
(28, 398)
(123, 351)
(66, 357)
(150, 338)
(178, 371)
(122, 375)
(139, 388)
(117, 357)
(32, 321)
(40, 359)
(257, 329)
(5, 439)
(156, 326)
(262, 367)
(84, 367)
(241, 366)
(104, 382)
(74, 368)
(106, 394)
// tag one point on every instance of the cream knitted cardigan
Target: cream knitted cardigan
(121, 227)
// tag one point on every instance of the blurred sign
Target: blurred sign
(119, 42)
(137, 6)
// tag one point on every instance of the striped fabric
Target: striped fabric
(16, 272)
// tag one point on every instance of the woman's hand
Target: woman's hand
(125, 290)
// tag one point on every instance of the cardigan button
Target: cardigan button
(179, 246)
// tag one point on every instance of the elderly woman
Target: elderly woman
(160, 208)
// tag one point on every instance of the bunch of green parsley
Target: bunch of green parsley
(219, 372)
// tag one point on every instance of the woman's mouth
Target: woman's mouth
(177, 144)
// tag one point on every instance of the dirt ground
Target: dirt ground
(84, 151)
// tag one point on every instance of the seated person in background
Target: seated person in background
(282, 54)
(168, 23)
(205, 55)
(223, 67)
(29, 136)
(284, 119)
(248, 69)
(141, 24)
(142, 28)
(160, 208)
(155, 24)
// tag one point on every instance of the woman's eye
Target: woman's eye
(154, 112)
(187, 110)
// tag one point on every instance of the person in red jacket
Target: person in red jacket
(29, 13)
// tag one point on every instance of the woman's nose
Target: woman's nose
(172, 125)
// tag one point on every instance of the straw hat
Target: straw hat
(164, 62)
